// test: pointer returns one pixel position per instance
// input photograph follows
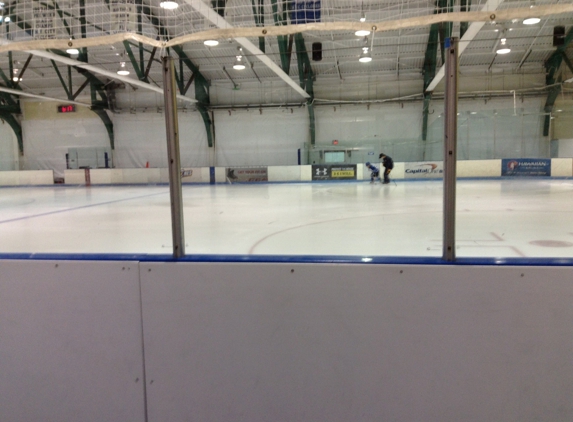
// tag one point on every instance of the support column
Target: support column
(170, 92)
(450, 141)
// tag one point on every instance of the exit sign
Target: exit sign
(70, 108)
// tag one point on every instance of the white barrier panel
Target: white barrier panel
(562, 167)
(284, 174)
(71, 345)
(339, 343)
(306, 173)
(75, 177)
(478, 168)
(26, 177)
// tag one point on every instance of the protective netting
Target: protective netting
(29, 24)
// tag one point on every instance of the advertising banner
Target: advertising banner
(334, 171)
(424, 170)
(189, 175)
(247, 174)
(526, 167)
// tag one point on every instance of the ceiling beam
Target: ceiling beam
(100, 71)
(469, 35)
(220, 22)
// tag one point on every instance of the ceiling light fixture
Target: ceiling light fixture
(366, 55)
(533, 20)
(169, 5)
(363, 17)
(362, 33)
(211, 43)
(72, 51)
(239, 65)
(122, 71)
(503, 47)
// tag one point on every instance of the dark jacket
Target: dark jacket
(387, 162)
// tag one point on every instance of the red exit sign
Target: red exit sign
(66, 108)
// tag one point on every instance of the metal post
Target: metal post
(450, 141)
(170, 93)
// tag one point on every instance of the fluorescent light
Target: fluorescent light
(211, 43)
(531, 21)
(169, 5)
(362, 33)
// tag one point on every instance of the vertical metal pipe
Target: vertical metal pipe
(170, 92)
(450, 141)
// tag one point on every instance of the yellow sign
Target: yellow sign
(342, 173)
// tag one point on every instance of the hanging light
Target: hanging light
(169, 5)
(122, 71)
(362, 33)
(503, 48)
(239, 65)
(15, 77)
(531, 21)
(363, 17)
(211, 43)
(365, 56)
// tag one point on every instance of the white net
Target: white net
(29, 25)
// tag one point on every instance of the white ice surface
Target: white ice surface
(495, 218)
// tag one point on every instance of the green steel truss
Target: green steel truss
(553, 78)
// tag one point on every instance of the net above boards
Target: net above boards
(33, 24)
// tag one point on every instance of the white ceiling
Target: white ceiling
(397, 55)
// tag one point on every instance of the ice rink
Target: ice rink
(496, 218)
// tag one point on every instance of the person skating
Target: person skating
(374, 172)
(388, 164)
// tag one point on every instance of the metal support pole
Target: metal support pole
(170, 93)
(450, 141)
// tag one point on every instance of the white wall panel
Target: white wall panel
(279, 342)
(141, 139)
(71, 345)
(8, 148)
(247, 138)
(46, 142)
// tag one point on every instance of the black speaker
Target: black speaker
(558, 36)
(317, 51)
